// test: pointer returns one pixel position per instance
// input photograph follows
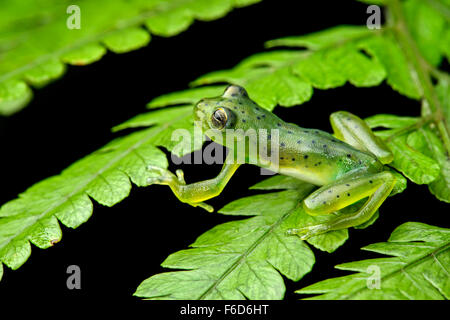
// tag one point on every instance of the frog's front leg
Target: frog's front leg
(342, 193)
(195, 193)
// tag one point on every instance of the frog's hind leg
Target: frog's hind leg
(356, 132)
(340, 194)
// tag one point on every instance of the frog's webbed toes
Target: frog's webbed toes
(309, 231)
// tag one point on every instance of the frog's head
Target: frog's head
(231, 113)
(217, 113)
(232, 110)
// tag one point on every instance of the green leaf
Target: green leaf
(323, 39)
(287, 77)
(399, 75)
(326, 242)
(443, 93)
(333, 67)
(36, 41)
(239, 259)
(46, 72)
(150, 118)
(267, 78)
(429, 143)
(127, 40)
(413, 164)
(13, 95)
(84, 55)
(329, 241)
(445, 44)
(427, 26)
(170, 23)
(418, 166)
(400, 183)
(191, 96)
(242, 207)
(327, 59)
(278, 182)
(390, 121)
(105, 176)
(417, 269)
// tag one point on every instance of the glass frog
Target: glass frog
(347, 166)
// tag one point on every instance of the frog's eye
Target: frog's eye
(219, 118)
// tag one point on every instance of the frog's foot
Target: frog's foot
(177, 184)
(164, 176)
(309, 231)
(180, 176)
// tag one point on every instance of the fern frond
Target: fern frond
(36, 53)
(429, 143)
(325, 59)
(328, 242)
(417, 268)
(287, 78)
(104, 176)
(239, 259)
(430, 41)
(418, 152)
(235, 260)
(412, 163)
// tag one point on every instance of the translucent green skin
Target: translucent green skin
(309, 155)
(347, 166)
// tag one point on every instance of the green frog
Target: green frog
(347, 166)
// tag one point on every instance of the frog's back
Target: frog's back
(318, 157)
(310, 155)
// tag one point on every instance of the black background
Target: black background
(121, 246)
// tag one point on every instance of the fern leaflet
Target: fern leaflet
(418, 268)
(36, 53)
